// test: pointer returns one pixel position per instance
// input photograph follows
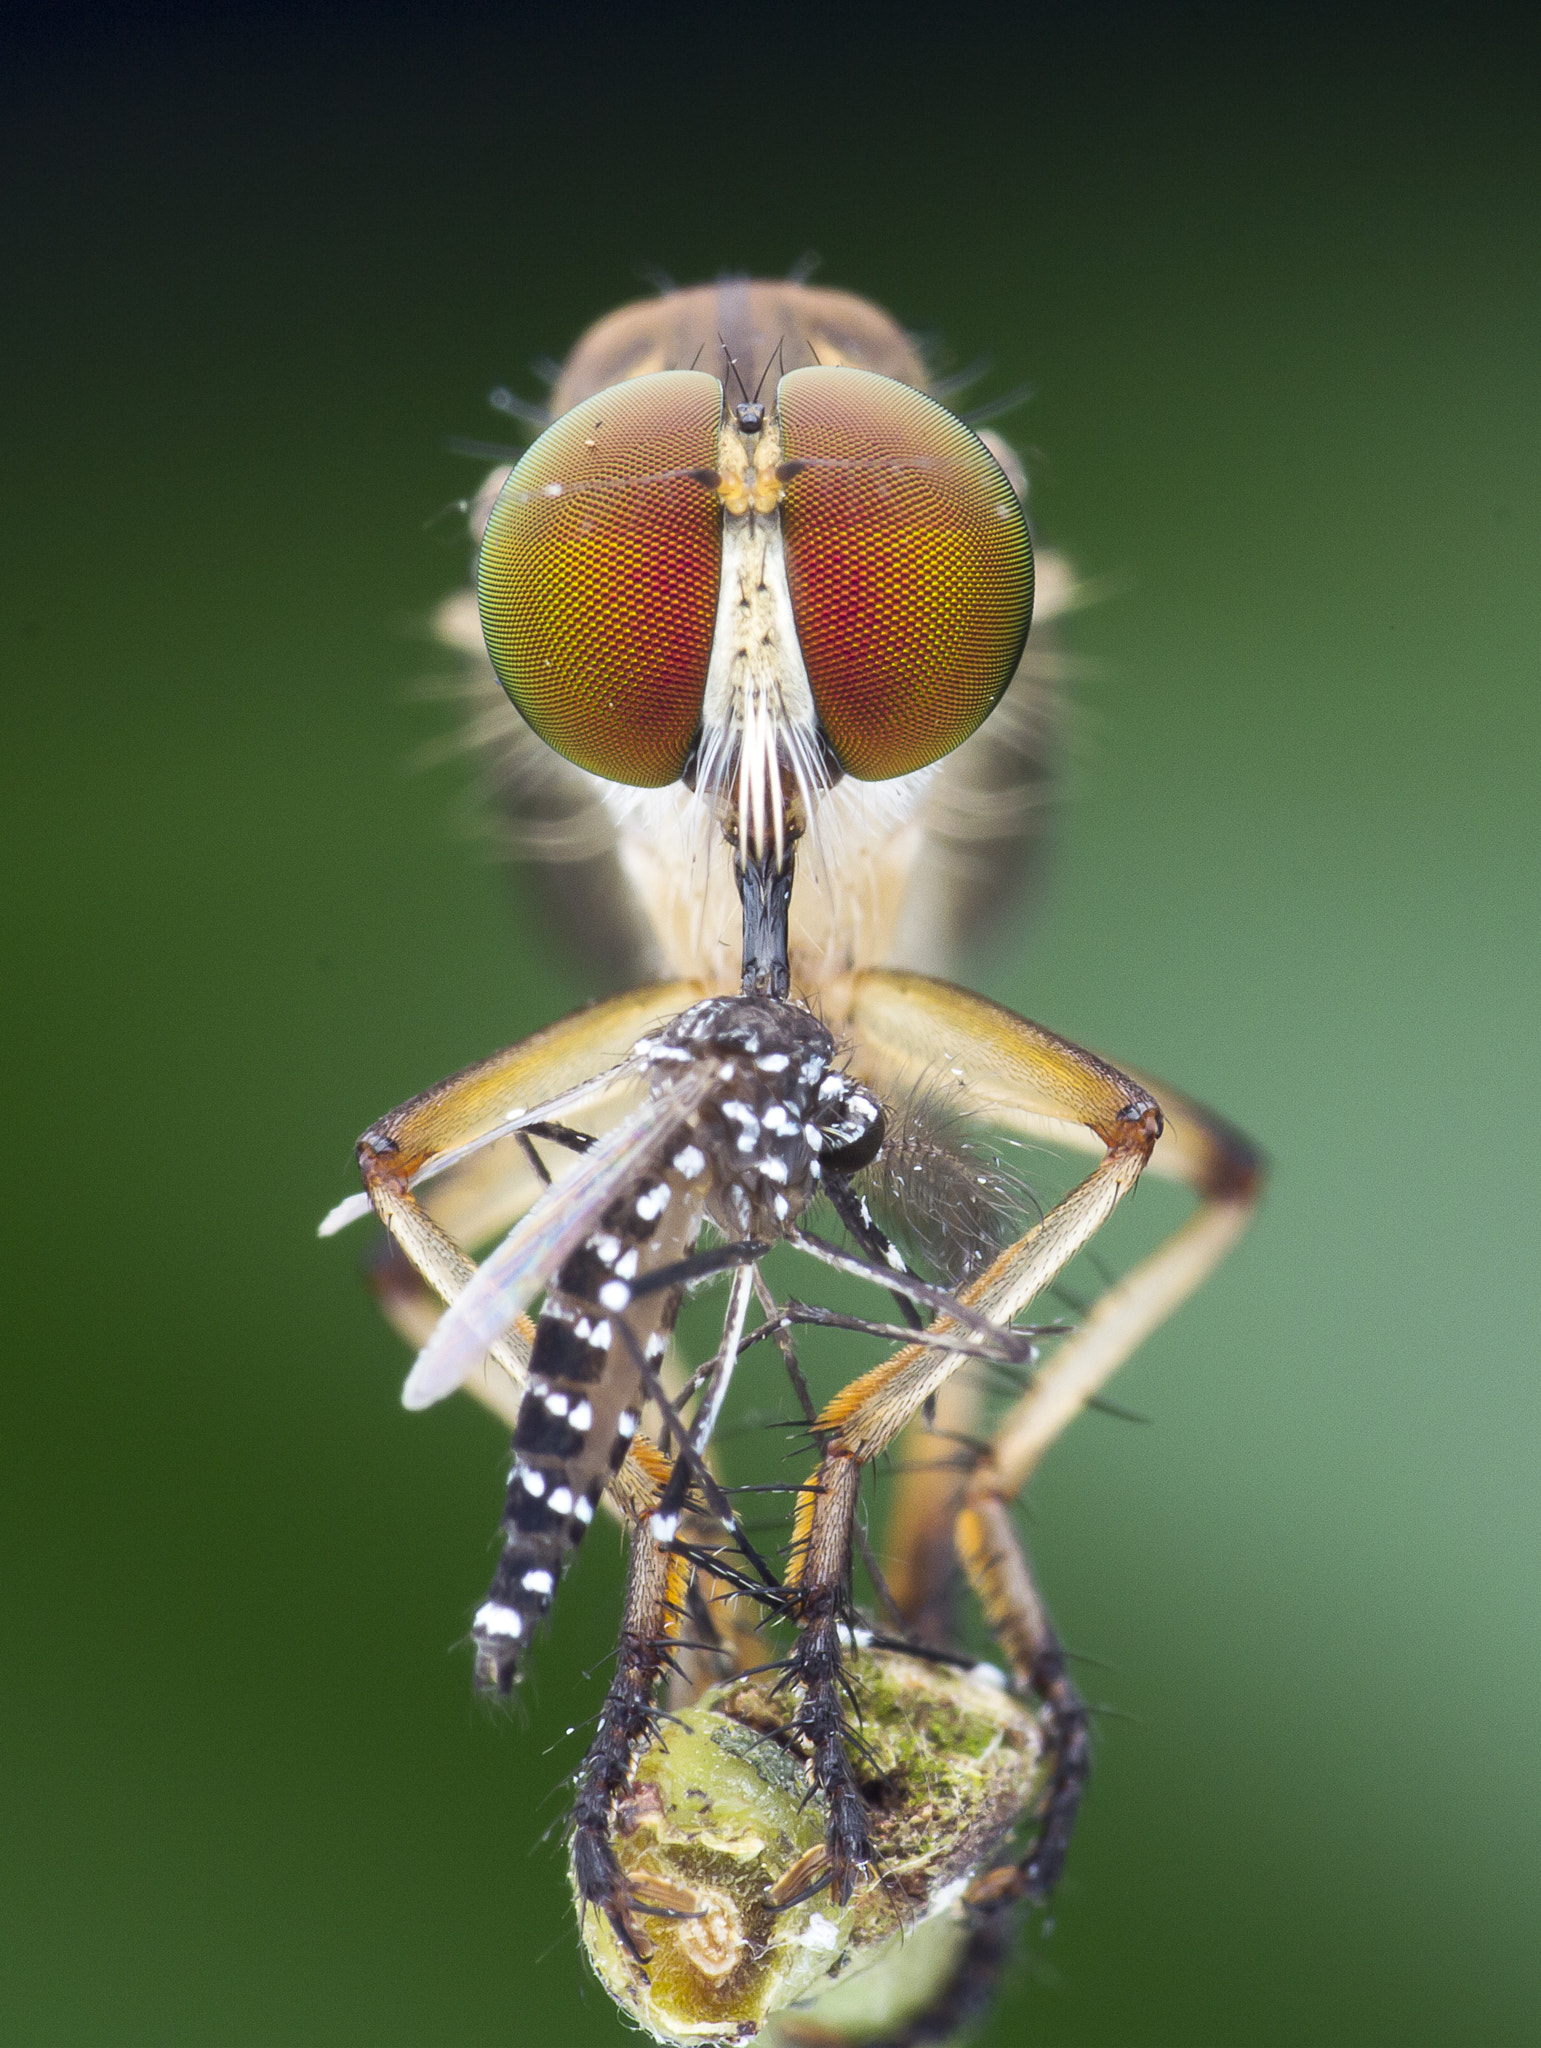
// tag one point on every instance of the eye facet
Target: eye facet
(909, 565)
(598, 576)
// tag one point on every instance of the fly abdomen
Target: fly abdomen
(580, 1410)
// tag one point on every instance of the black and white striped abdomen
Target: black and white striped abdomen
(580, 1410)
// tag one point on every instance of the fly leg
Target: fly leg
(431, 1219)
(657, 1584)
(863, 1420)
(908, 1021)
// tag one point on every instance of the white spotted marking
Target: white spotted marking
(532, 1481)
(813, 1137)
(774, 1063)
(606, 1249)
(651, 1205)
(988, 1674)
(895, 1259)
(582, 1416)
(782, 1207)
(583, 1508)
(774, 1169)
(655, 1049)
(600, 1336)
(777, 1118)
(662, 1528)
(626, 1423)
(656, 1345)
(614, 1294)
(555, 1404)
(538, 1582)
(626, 1265)
(831, 1086)
(689, 1161)
(494, 1619)
(561, 1500)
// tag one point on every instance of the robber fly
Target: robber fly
(754, 593)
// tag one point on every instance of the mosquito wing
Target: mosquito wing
(565, 1214)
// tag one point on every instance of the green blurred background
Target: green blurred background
(1278, 295)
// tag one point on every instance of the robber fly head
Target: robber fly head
(830, 578)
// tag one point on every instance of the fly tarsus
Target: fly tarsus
(1032, 1879)
(1069, 1734)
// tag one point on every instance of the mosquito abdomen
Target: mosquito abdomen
(580, 1411)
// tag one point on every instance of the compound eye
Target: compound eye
(909, 565)
(598, 576)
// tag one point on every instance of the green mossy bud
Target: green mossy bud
(719, 1812)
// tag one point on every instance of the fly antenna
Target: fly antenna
(774, 356)
(732, 362)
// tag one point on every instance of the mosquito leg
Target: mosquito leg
(957, 1306)
(1005, 1348)
(853, 1212)
(717, 1376)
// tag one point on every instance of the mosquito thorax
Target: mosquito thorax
(781, 1112)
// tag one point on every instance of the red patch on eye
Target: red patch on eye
(909, 564)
